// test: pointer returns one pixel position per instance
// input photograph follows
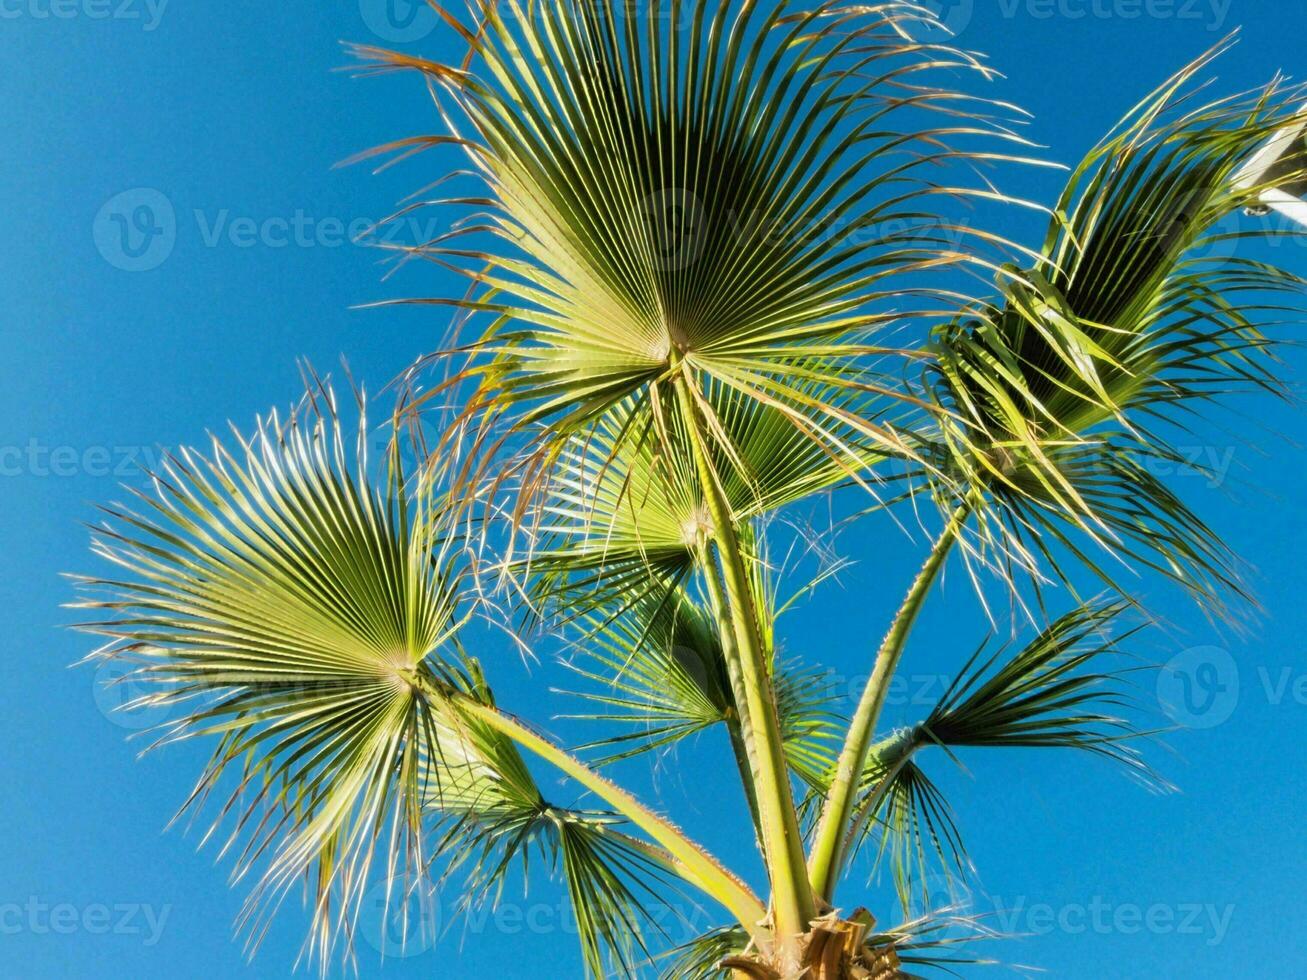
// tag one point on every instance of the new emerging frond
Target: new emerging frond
(622, 513)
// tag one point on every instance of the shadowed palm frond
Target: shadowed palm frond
(915, 828)
(1139, 311)
(701, 958)
(490, 816)
(623, 512)
(661, 673)
(1044, 697)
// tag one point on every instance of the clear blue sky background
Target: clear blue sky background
(232, 111)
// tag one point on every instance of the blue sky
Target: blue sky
(212, 131)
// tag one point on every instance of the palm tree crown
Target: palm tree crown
(714, 275)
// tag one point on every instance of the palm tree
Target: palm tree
(713, 276)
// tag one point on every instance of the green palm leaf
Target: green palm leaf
(1138, 311)
(735, 199)
(287, 606)
(661, 673)
(623, 513)
(490, 816)
(701, 958)
(307, 619)
(1050, 694)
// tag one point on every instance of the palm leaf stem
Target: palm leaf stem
(828, 849)
(792, 901)
(738, 724)
(689, 859)
(897, 754)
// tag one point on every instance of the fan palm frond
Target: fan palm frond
(286, 606)
(1044, 697)
(1050, 694)
(308, 620)
(733, 200)
(660, 672)
(490, 816)
(1139, 310)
